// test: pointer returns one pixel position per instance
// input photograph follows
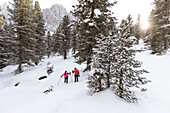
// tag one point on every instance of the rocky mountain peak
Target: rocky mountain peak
(54, 16)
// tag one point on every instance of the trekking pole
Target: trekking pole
(71, 77)
(59, 81)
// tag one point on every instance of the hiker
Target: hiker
(65, 76)
(76, 74)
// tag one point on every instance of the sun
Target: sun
(144, 25)
(144, 22)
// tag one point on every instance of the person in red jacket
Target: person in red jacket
(76, 74)
(65, 76)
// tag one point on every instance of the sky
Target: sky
(122, 9)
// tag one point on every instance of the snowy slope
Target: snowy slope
(28, 96)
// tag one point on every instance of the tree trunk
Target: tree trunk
(100, 83)
(108, 76)
(74, 50)
(166, 44)
(88, 67)
(121, 84)
(65, 54)
(19, 69)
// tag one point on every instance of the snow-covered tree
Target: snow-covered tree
(6, 44)
(75, 35)
(115, 65)
(125, 74)
(3, 47)
(24, 43)
(137, 29)
(62, 38)
(2, 20)
(2, 41)
(102, 64)
(160, 27)
(65, 36)
(102, 52)
(40, 32)
(57, 41)
(49, 44)
(90, 20)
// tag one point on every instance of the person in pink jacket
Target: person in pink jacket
(65, 76)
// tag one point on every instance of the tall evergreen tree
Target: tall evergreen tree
(160, 29)
(3, 47)
(125, 75)
(49, 44)
(57, 41)
(65, 36)
(21, 15)
(91, 16)
(40, 32)
(114, 63)
(2, 20)
(75, 36)
(137, 29)
(102, 64)
(2, 59)
(1, 42)
(103, 57)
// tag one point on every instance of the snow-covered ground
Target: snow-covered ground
(28, 96)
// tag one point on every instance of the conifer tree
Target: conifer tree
(75, 35)
(89, 17)
(114, 63)
(3, 45)
(62, 38)
(2, 20)
(2, 42)
(21, 15)
(160, 29)
(40, 32)
(102, 64)
(102, 53)
(6, 44)
(65, 36)
(57, 40)
(125, 75)
(137, 29)
(49, 44)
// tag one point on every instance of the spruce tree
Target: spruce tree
(62, 38)
(57, 40)
(21, 15)
(2, 41)
(137, 29)
(102, 53)
(125, 74)
(114, 63)
(160, 30)
(90, 21)
(49, 44)
(2, 20)
(102, 64)
(65, 36)
(3, 48)
(40, 32)
(74, 39)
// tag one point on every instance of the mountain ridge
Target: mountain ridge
(54, 15)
